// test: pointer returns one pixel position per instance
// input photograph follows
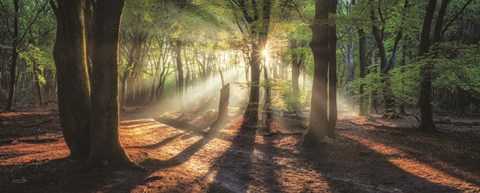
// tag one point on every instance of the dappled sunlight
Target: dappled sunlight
(239, 96)
(204, 96)
(409, 164)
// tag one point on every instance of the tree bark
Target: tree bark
(318, 125)
(295, 66)
(180, 79)
(105, 143)
(72, 77)
(13, 66)
(253, 101)
(384, 66)
(426, 71)
(37, 84)
(222, 108)
(332, 72)
(362, 53)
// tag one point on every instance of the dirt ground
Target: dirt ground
(182, 155)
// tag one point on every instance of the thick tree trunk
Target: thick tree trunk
(72, 77)
(105, 143)
(425, 97)
(318, 125)
(13, 67)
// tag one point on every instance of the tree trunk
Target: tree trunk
(180, 81)
(384, 65)
(37, 84)
(268, 119)
(122, 94)
(105, 143)
(253, 102)
(318, 125)
(425, 97)
(88, 20)
(362, 52)
(72, 77)
(295, 66)
(332, 72)
(222, 107)
(13, 67)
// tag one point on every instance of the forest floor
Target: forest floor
(180, 154)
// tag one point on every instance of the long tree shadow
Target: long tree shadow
(234, 166)
(365, 170)
(452, 156)
(26, 124)
(159, 144)
(268, 171)
(183, 156)
(154, 165)
(57, 175)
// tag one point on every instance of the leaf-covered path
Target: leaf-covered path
(182, 155)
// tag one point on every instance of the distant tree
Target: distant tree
(426, 71)
(17, 38)
(253, 20)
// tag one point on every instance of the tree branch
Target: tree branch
(456, 16)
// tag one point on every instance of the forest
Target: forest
(239, 96)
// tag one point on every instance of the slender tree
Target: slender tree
(13, 66)
(332, 71)
(362, 53)
(256, 19)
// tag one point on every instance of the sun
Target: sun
(265, 53)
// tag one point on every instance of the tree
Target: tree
(105, 144)
(386, 64)
(319, 125)
(72, 77)
(426, 71)
(17, 40)
(362, 53)
(332, 71)
(90, 131)
(15, 36)
(255, 25)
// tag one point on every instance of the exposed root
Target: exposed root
(379, 126)
(117, 161)
(22, 125)
(413, 115)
